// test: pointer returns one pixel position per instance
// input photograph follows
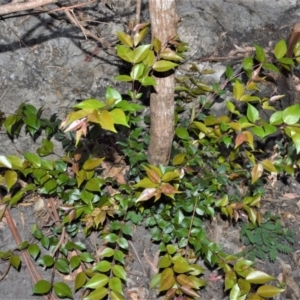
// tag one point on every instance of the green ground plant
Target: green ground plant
(212, 156)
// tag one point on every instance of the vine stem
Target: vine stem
(190, 229)
(34, 273)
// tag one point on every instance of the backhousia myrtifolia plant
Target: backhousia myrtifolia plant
(210, 156)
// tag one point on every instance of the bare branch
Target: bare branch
(14, 7)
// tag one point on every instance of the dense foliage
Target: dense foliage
(212, 157)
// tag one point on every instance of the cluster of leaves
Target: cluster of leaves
(267, 240)
(211, 156)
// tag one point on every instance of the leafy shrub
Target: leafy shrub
(212, 157)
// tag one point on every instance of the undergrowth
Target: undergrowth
(212, 157)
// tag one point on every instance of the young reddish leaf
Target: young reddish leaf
(249, 138)
(146, 194)
(167, 279)
(190, 292)
(240, 139)
(185, 280)
(169, 189)
(153, 176)
(256, 172)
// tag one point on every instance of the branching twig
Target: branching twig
(15, 7)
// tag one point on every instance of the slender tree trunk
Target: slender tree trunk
(164, 21)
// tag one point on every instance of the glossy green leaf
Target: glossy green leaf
(92, 163)
(291, 114)
(75, 262)
(33, 250)
(140, 53)
(97, 294)
(164, 262)
(119, 256)
(34, 159)
(164, 65)
(148, 81)
(259, 277)
(15, 261)
(80, 280)
(115, 284)
(23, 245)
(107, 252)
(280, 49)
(238, 90)
(49, 187)
(170, 54)
(97, 281)
(247, 63)
(41, 287)
(182, 133)
(252, 113)
(106, 121)
(62, 290)
(10, 178)
(86, 257)
(103, 266)
(94, 184)
(296, 141)
(276, 118)
(119, 272)
(46, 261)
(260, 54)
(125, 38)
(119, 117)
(125, 53)
(137, 71)
(155, 281)
(116, 296)
(268, 291)
(123, 243)
(62, 265)
(125, 78)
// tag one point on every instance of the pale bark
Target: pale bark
(164, 21)
(21, 6)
